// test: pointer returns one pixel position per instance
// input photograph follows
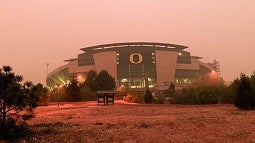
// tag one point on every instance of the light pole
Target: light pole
(47, 73)
(58, 94)
(48, 68)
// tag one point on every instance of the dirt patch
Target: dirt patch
(135, 123)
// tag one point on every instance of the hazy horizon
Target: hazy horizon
(34, 33)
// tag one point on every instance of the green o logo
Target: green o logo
(136, 58)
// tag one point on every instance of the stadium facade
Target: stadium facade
(135, 65)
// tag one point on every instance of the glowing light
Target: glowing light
(124, 80)
(80, 78)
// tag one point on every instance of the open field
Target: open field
(135, 123)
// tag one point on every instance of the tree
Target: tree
(14, 98)
(10, 92)
(43, 93)
(148, 97)
(104, 81)
(87, 93)
(73, 92)
(91, 80)
(245, 98)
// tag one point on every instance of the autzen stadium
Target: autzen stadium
(135, 65)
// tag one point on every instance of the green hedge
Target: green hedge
(203, 95)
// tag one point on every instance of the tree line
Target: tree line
(85, 91)
(241, 93)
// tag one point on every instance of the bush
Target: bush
(73, 93)
(183, 96)
(11, 131)
(87, 94)
(160, 98)
(148, 98)
(245, 98)
(207, 95)
(226, 95)
(58, 94)
(119, 95)
(202, 95)
(134, 97)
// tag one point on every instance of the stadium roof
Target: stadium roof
(138, 44)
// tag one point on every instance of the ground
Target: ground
(138, 123)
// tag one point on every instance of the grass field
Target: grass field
(138, 123)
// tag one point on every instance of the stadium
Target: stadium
(136, 65)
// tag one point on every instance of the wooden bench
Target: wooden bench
(105, 97)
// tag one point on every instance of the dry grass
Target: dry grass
(135, 123)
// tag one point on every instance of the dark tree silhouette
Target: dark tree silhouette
(14, 97)
(73, 92)
(91, 80)
(245, 98)
(43, 94)
(104, 81)
(148, 98)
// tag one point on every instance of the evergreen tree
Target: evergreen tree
(104, 81)
(73, 92)
(245, 98)
(43, 94)
(13, 97)
(91, 80)
(16, 101)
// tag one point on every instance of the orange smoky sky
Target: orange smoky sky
(37, 32)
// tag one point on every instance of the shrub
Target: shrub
(120, 95)
(245, 98)
(207, 95)
(183, 96)
(87, 94)
(202, 95)
(160, 98)
(226, 94)
(13, 131)
(170, 91)
(73, 93)
(148, 98)
(134, 97)
(58, 94)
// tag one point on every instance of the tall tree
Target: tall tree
(104, 81)
(91, 80)
(43, 94)
(14, 97)
(73, 92)
(245, 98)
